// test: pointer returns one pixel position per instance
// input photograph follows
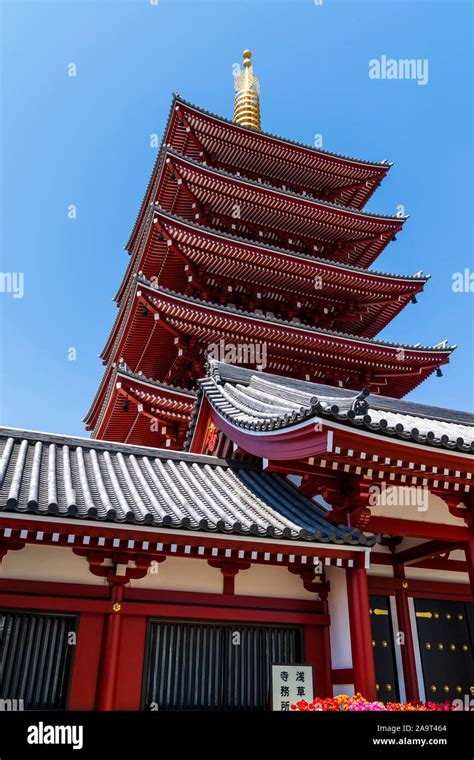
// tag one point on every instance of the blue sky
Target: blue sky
(85, 140)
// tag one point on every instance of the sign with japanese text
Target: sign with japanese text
(290, 684)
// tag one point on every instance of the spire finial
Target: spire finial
(247, 95)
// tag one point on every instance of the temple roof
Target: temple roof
(295, 324)
(205, 136)
(168, 151)
(69, 477)
(261, 402)
(225, 143)
(222, 200)
(131, 402)
(171, 325)
(320, 292)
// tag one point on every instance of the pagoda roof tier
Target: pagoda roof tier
(135, 408)
(219, 142)
(159, 332)
(258, 211)
(260, 402)
(216, 265)
(72, 479)
(338, 440)
(259, 155)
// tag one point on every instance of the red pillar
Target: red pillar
(361, 632)
(132, 651)
(317, 655)
(326, 648)
(86, 661)
(469, 551)
(404, 626)
(326, 642)
(201, 427)
(109, 653)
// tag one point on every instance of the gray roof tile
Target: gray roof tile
(258, 401)
(75, 477)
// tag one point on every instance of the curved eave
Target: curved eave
(228, 143)
(393, 373)
(297, 328)
(115, 373)
(267, 252)
(169, 152)
(147, 400)
(266, 249)
(336, 158)
(152, 384)
(308, 437)
(291, 348)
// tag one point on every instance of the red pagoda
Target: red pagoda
(251, 242)
(254, 469)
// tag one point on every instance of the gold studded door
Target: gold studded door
(445, 635)
(384, 649)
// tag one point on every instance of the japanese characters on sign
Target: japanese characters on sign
(290, 684)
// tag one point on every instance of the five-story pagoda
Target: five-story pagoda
(255, 248)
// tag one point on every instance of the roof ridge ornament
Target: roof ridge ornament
(247, 95)
(352, 406)
(359, 404)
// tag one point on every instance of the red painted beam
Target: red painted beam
(292, 444)
(164, 610)
(423, 551)
(421, 588)
(96, 529)
(35, 589)
(417, 529)
(440, 563)
(52, 588)
(434, 563)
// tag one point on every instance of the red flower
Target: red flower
(359, 703)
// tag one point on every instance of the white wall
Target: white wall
(341, 654)
(60, 564)
(47, 563)
(426, 507)
(183, 574)
(262, 580)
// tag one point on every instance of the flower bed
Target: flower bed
(357, 703)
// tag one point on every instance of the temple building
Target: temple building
(257, 490)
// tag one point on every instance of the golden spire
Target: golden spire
(247, 95)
